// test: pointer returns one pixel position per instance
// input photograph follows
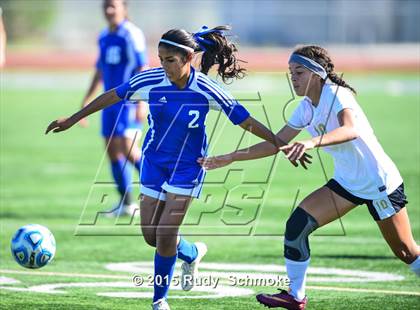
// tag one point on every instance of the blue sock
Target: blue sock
(122, 177)
(187, 251)
(137, 164)
(164, 269)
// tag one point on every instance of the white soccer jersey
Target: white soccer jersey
(361, 165)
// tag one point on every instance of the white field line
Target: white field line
(102, 276)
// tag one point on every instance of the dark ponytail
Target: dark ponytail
(221, 51)
(321, 56)
(216, 47)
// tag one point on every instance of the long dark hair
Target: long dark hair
(321, 56)
(217, 50)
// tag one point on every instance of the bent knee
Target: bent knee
(150, 238)
(166, 238)
(298, 227)
(300, 223)
(150, 241)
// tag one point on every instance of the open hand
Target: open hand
(214, 162)
(60, 125)
(296, 151)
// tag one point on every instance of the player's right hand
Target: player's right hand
(304, 161)
(297, 151)
(59, 125)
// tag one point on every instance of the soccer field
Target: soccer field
(61, 181)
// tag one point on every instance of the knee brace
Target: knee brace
(298, 227)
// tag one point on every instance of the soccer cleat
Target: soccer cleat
(124, 210)
(190, 271)
(160, 304)
(281, 300)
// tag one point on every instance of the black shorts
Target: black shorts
(380, 209)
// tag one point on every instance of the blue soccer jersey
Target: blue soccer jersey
(177, 117)
(176, 136)
(121, 53)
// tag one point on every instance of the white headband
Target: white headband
(187, 48)
(309, 64)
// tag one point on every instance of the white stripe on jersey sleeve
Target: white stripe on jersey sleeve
(147, 78)
(224, 101)
(217, 86)
(222, 91)
(157, 72)
(213, 105)
(142, 93)
(137, 36)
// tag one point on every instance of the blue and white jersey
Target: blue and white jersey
(177, 116)
(121, 53)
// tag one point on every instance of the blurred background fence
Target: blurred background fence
(361, 34)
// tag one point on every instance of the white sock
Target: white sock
(296, 271)
(415, 266)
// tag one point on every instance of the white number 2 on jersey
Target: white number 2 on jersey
(193, 123)
(113, 55)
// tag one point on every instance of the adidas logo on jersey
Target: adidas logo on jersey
(163, 100)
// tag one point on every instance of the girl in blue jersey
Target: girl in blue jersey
(122, 54)
(179, 99)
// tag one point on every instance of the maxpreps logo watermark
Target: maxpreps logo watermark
(242, 199)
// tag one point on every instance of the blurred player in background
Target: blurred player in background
(179, 98)
(122, 54)
(363, 173)
(3, 40)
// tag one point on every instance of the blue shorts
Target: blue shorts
(119, 120)
(157, 177)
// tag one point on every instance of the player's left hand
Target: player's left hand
(214, 162)
(296, 150)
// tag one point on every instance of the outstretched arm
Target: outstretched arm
(265, 148)
(256, 151)
(346, 132)
(259, 130)
(101, 102)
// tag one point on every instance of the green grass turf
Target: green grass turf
(47, 180)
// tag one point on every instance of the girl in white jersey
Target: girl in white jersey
(363, 173)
